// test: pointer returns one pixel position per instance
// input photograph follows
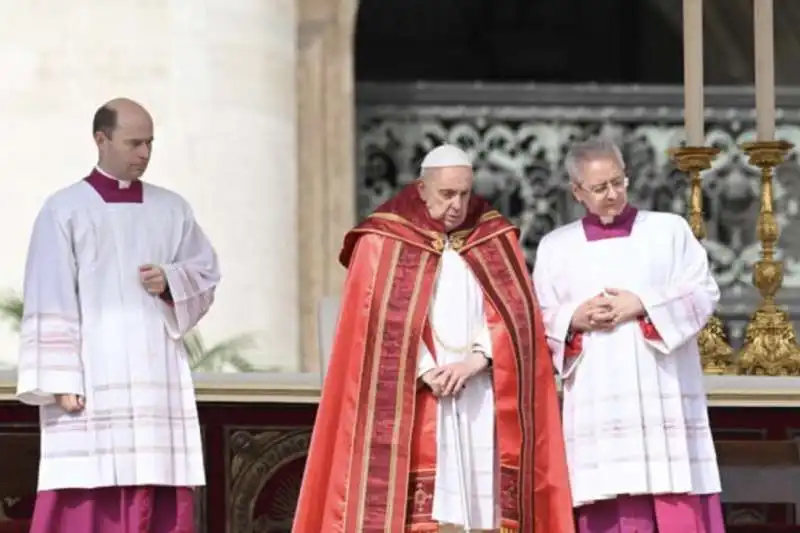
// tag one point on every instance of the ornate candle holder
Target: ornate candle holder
(715, 351)
(770, 345)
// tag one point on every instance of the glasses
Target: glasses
(617, 184)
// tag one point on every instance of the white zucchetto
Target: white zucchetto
(446, 155)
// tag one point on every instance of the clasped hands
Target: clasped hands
(607, 310)
(448, 380)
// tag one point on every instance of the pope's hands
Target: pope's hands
(71, 403)
(450, 379)
(153, 279)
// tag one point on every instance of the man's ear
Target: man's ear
(574, 188)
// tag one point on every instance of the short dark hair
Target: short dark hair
(105, 121)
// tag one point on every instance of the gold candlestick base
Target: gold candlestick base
(770, 346)
(716, 353)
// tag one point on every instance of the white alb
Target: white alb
(635, 414)
(91, 329)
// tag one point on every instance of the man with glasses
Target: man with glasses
(624, 293)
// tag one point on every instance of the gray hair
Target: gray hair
(589, 150)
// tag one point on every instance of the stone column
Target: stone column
(219, 79)
(326, 165)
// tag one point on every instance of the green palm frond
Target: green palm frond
(225, 353)
(11, 309)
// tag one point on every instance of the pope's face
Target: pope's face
(446, 192)
(602, 187)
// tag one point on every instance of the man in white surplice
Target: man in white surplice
(624, 293)
(117, 272)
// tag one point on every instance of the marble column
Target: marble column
(219, 79)
(326, 164)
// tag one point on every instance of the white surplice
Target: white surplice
(635, 414)
(90, 328)
(458, 320)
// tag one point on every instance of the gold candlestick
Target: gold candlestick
(770, 346)
(716, 353)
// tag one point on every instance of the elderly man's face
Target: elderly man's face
(446, 192)
(602, 187)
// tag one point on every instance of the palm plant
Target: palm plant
(226, 355)
(11, 310)
(220, 357)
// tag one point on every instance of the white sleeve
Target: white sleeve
(50, 332)
(556, 310)
(426, 361)
(681, 309)
(192, 279)
(483, 342)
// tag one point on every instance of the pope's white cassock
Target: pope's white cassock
(635, 414)
(91, 329)
(459, 326)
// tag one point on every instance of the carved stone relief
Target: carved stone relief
(265, 469)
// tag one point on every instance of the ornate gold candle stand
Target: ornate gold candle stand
(715, 351)
(770, 346)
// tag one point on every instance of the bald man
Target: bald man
(117, 272)
(439, 410)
